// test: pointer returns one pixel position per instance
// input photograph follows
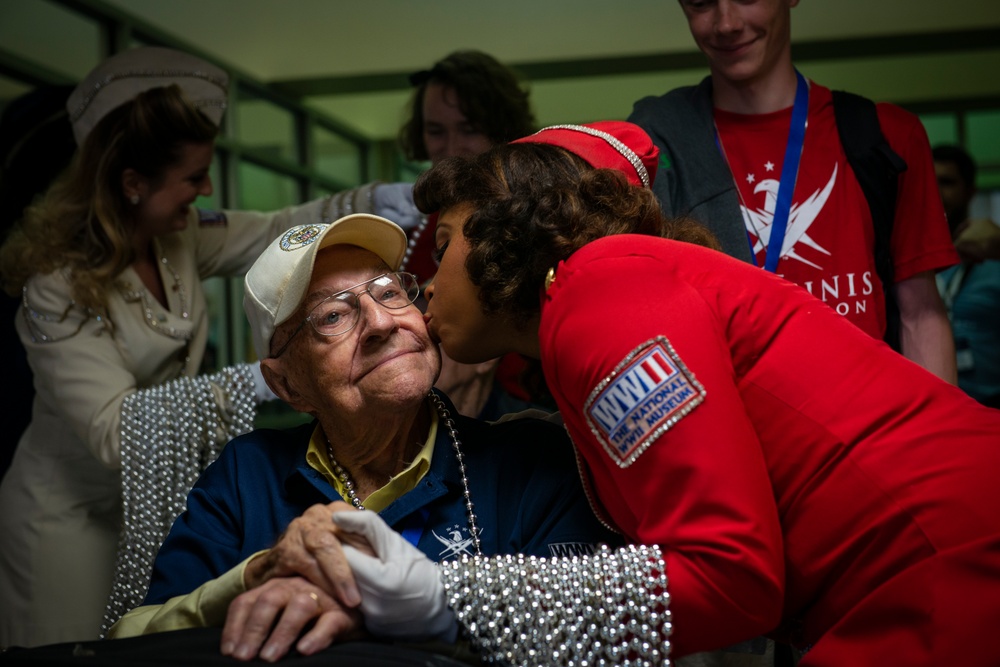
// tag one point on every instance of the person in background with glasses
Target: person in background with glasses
(466, 103)
(340, 339)
(971, 289)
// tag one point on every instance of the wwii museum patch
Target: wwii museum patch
(648, 392)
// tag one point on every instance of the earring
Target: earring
(134, 199)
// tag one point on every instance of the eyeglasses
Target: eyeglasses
(339, 313)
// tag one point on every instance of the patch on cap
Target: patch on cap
(649, 391)
(300, 237)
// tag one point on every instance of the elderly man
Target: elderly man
(340, 339)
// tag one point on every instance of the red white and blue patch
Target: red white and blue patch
(209, 218)
(646, 394)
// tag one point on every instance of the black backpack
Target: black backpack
(877, 168)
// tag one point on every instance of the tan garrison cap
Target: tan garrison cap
(123, 76)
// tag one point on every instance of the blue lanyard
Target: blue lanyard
(789, 173)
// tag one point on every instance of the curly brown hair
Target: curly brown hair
(489, 95)
(83, 223)
(534, 205)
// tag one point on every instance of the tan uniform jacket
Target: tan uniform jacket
(60, 504)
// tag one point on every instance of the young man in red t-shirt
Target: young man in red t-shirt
(764, 162)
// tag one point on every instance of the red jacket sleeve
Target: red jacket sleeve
(700, 489)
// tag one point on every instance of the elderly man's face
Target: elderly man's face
(386, 360)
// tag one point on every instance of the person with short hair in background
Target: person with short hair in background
(970, 290)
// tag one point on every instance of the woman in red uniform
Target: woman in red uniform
(801, 478)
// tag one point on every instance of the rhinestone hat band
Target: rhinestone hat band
(614, 142)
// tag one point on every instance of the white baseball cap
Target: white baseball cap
(278, 280)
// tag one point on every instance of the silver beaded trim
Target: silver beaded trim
(34, 320)
(132, 295)
(600, 513)
(412, 243)
(615, 143)
(169, 435)
(356, 200)
(610, 608)
(148, 74)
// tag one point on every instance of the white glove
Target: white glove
(402, 596)
(260, 389)
(395, 202)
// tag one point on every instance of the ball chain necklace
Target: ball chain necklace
(411, 244)
(445, 415)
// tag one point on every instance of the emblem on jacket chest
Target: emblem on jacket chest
(456, 541)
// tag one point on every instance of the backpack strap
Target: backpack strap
(877, 168)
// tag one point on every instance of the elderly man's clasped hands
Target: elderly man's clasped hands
(303, 580)
(308, 578)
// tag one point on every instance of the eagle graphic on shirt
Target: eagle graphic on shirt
(456, 541)
(801, 217)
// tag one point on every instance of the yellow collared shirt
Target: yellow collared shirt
(399, 485)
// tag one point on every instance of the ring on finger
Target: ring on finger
(315, 598)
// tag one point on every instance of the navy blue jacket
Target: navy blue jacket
(523, 481)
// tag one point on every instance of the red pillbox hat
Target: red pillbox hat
(609, 144)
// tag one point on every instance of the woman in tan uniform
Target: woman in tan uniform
(109, 267)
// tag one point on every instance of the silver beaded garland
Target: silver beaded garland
(169, 435)
(611, 608)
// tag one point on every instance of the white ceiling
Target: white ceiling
(302, 39)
